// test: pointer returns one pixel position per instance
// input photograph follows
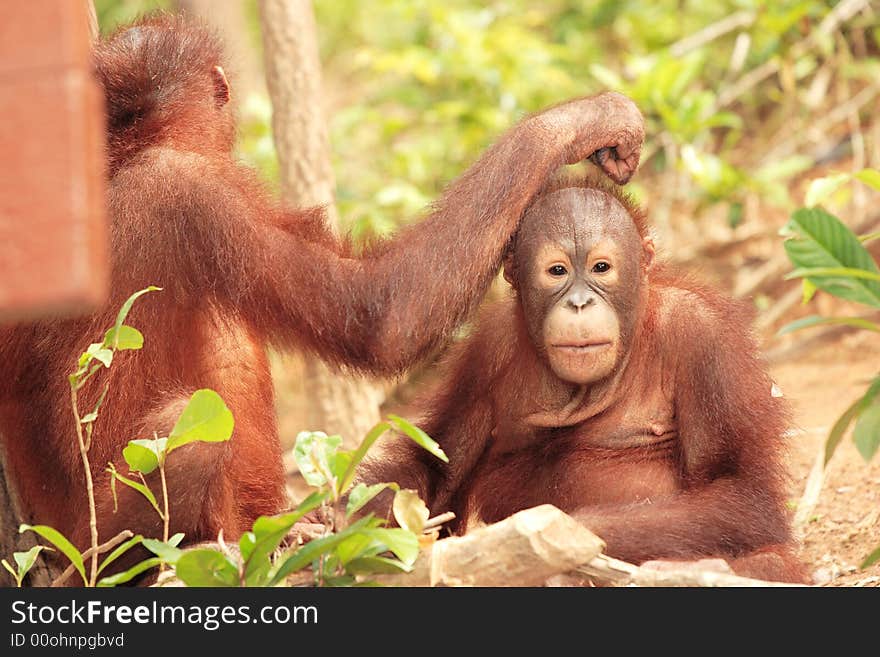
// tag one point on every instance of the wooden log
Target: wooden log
(603, 570)
(523, 550)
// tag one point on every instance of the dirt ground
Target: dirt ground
(845, 524)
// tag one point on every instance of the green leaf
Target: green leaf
(870, 177)
(205, 418)
(143, 455)
(401, 542)
(340, 463)
(61, 543)
(850, 414)
(126, 307)
(123, 338)
(809, 291)
(361, 494)
(136, 485)
(419, 437)
(91, 417)
(304, 556)
(206, 567)
(816, 320)
(357, 546)
(25, 561)
(359, 454)
(410, 511)
(821, 188)
(846, 272)
(606, 76)
(376, 565)
(314, 549)
(119, 551)
(268, 531)
(313, 452)
(97, 351)
(130, 574)
(11, 570)
(165, 551)
(871, 559)
(867, 431)
(819, 241)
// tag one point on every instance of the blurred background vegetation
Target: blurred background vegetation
(742, 96)
(754, 108)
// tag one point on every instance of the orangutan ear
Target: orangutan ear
(649, 254)
(509, 270)
(221, 86)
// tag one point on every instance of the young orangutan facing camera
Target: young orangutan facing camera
(625, 395)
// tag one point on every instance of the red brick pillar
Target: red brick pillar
(53, 245)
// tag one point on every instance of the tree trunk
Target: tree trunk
(332, 402)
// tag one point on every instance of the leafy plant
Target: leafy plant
(348, 550)
(98, 356)
(828, 256)
(24, 561)
(205, 418)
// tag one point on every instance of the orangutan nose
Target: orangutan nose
(580, 299)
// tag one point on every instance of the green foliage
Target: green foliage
(205, 418)
(830, 257)
(24, 561)
(416, 90)
(347, 552)
(112, 13)
(62, 544)
(429, 85)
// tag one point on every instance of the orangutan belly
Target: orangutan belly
(574, 473)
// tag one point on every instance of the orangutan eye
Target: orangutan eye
(601, 267)
(557, 270)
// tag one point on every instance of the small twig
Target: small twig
(823, 125)
(788, 301)
(841, 13)
(438, 520)
(90, 488)
(812, 490)
(92, 19)
(712, 32)
(124, 535)
(166, 521)
(609, 571)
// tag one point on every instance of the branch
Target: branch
(124, 535)
(92, 18)
(435, 522)
(607, 571)
(712, 32)
(840, 14)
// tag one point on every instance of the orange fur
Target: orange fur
(240, 272)
(715, 486)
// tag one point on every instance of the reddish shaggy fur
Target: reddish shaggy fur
(239, 272)
(716, 489)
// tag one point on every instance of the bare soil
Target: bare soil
(845, 525)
